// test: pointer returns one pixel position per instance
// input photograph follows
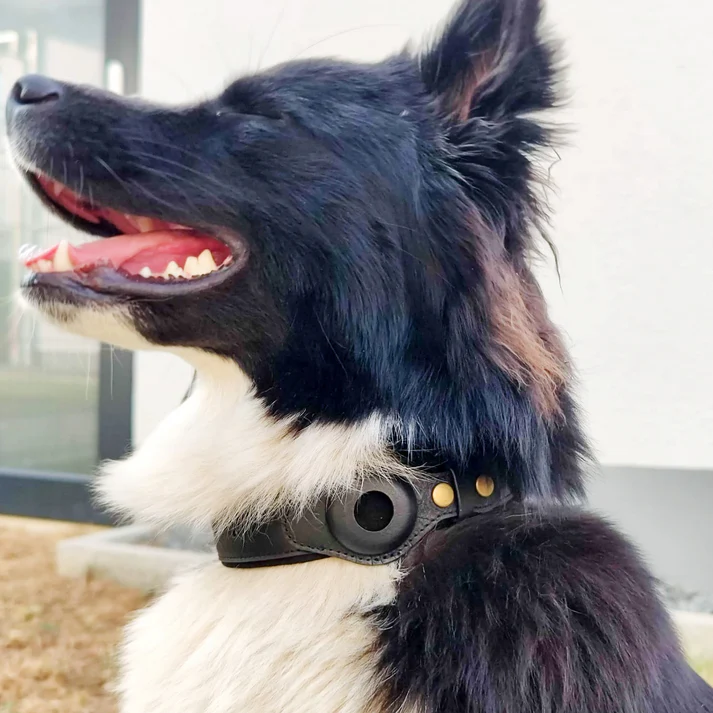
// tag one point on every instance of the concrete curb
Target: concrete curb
(123, 555)
(696, 633)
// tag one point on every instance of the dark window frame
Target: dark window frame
(67, 496)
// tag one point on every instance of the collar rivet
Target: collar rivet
(485, 486)
(443, 495)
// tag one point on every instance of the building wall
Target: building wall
(633, 213)
(634, 224)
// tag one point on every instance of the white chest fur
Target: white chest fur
(220, 456)
(291, 639)
(287, 639)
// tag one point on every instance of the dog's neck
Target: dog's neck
(220, 457)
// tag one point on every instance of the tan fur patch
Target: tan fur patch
(527, 346)
(459, 100)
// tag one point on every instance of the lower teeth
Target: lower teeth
(194, 267)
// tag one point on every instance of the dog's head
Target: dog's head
(354, 237)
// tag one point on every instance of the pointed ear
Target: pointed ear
(490, 61)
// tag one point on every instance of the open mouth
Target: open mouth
(142, 255)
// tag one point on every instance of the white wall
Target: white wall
(634, 223)
(634, 212)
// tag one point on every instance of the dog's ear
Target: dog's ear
(490, 61)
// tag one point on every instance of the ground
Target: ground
(58, 636)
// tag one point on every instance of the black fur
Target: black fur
(372, 215)
(521, 612)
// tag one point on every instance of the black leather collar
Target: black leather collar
(376, 524)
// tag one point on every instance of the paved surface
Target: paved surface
(667, 513)
(134, 556)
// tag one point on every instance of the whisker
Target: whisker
(329, 342)
(110, 170)
(203, 176)
(88, 376)
(339, 34)
(32, 331)
(272, 34)
(171, 179)
(151, 195)
(183, 167)
(134, 138)
(195, 187)
(126, 184)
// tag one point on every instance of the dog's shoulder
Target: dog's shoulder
(534, 611)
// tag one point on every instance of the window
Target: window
(64, 401)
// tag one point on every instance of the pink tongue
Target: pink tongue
(132, 252)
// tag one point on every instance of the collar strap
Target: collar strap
(375, 524)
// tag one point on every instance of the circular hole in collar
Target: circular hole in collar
(374, 511)
(375, 520)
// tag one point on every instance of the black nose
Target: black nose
(36, 89)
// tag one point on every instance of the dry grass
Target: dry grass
(57, 636)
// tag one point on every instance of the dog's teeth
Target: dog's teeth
(228, 260)
(206, 263)
(43, 266)
(145, 271)
(62, 262)
(57, 188)
(192, 268)
(172, 270)
(145, 225)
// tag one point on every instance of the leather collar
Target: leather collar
(375, 524)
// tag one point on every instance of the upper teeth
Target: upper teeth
(194, 267)
(62, 262)
(206, 263)
(145, 225)
(172, 270)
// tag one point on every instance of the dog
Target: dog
(383, 433)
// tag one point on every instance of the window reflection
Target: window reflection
(48, 379)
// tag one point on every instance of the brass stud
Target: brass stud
(443, 495)
(485, 486)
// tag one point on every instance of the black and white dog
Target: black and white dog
(382, 431)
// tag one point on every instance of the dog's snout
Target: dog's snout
(35, 89)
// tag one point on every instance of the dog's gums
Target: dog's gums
(143, 250)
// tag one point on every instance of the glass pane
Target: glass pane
(48, 378)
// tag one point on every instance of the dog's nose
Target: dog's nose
(35, 89)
